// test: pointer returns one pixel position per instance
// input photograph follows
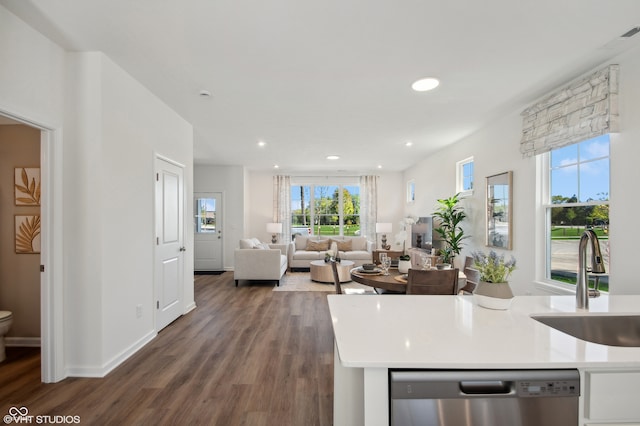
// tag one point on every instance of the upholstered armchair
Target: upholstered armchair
(259, 261)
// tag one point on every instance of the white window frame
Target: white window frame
(460, 177)
(340, 184)
(542, 220)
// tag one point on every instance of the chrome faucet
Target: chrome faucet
(597, 266)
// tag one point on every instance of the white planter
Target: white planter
(493, 295)
(403, 266)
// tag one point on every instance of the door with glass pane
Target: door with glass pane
(208, 231)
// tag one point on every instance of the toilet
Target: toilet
(6, 319)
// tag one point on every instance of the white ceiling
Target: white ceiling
(312, 78)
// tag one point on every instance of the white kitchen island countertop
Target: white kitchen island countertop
(452, 332)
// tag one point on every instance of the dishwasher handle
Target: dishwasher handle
(486, 387)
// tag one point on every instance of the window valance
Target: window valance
(584, 109)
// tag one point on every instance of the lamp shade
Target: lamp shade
(274, 228)
(383, 228)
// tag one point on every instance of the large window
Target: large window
(578, 199)
(325, 209)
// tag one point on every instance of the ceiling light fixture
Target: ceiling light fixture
(333, 157)
(275, 166)
(425, 84)
(261, 143)
(408, 144)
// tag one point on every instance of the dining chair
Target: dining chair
(432, 282)
(468, 262)
(336, 280)
(473, 278)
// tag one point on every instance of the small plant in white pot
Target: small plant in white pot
(493, 290)
(404, 263)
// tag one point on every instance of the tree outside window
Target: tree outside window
(579, 200)
(325, 209)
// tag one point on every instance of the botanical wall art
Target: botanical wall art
(27, 186)
(27, 233)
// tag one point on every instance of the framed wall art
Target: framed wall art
(27, 234)
(27, 186)
(499, 210)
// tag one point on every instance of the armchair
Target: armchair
(254, 261)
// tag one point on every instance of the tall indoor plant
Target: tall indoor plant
(450, 214)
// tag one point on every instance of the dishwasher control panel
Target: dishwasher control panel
(548, 388)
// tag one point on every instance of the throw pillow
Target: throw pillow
(264, 246)
(343, 245)
(320, 245)
(247, 243)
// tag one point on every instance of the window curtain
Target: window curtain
(368, 206)
(584, 109)
(282, 205)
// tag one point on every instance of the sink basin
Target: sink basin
(605, 329)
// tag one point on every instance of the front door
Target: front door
(169, 260)
(208, 231)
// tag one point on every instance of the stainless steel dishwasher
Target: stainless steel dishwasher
(484, 397)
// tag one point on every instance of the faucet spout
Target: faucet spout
(597, 266)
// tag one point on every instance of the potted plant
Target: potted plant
(451, 215)
(493, 290)
(404, 263)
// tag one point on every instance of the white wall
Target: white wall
(495, 149)
(230, 181)
(106, 129)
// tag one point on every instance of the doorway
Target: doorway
(208, 232)
(50, 269)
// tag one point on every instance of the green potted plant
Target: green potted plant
(404, 263)
(450, 214)
(493, 290)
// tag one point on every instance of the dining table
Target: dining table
(394, 282)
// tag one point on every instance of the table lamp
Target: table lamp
(274, 229)
(384, 228)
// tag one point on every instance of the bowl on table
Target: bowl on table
(369, 266)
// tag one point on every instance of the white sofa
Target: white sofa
(304, 249)
(258, 261)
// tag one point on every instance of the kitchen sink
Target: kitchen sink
(605, 329)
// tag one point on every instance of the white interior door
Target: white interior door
(169, 261)
(208, 231)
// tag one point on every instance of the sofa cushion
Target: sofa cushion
(246, 243)
(251, 243)
(321, 245)
(355, 255)
(345, 245)
(262, 246)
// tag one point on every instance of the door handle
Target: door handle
(183, 249)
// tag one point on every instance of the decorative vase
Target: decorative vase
(403, 266)
(493, 295)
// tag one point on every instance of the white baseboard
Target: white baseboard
(26, 342)
(190, 307)
(80, 371)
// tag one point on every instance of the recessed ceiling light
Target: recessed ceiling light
(379, 166)
(261, 143)
(408, 143)
(425, 84)
(275, 166)
(333, 157)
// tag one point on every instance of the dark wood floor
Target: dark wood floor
(244, 356)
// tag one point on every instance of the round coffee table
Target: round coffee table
(321, 271)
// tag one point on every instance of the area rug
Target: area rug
(301, 281)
